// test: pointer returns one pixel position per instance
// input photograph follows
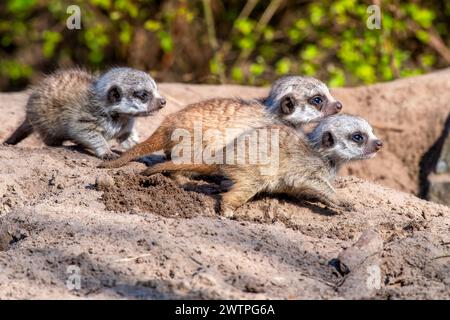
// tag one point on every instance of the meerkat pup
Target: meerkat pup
(293, 100)
(305, 165)
(75, 105)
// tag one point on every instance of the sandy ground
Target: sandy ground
(149, 237)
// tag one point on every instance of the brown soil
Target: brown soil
(154, 237)
(127, 192)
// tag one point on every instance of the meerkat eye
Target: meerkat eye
(317, 100)
(357, 137)
(142, 95)
(114, 95)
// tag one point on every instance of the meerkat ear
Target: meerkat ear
(327, 139)
(287, 104)
(114, 94)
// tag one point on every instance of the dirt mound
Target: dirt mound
(148, 237)
(156, 194)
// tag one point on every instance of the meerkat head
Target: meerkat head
(128, 91)
(345, 138)
(299, 100)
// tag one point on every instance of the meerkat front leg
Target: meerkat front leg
(95, 141)
(128, 139)
(240, 193)
(322, 190)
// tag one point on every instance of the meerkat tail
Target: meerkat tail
(169, 166)
(157, 141)
(24, 130)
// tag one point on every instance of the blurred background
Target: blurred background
(218, 41)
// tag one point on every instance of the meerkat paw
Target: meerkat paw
(130, 142)
(226, 211)
(346, 205)
(109, 156)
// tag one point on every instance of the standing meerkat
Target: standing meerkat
(292, 100)
(75, 105)
(306, 165)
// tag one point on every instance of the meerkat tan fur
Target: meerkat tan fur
(77, 106)
(292, 100)
(306, 166)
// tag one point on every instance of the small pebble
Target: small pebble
(104, 182)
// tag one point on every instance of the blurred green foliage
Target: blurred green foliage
(250, 42)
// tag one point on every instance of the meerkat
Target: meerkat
(292, 100)
(88, 110)
(306, 164)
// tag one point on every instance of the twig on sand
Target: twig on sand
(387, 127)
(176, 101)
(441, 257)
(133, 258)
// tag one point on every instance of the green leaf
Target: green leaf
(17, 6)
(423, 36)
(245, 26)
(283, 66)
(257, 69)
(246, 43)
(166, 41)
(51, 39)
(105, 4)
(310, 52)
(152, 25)
(237, 74)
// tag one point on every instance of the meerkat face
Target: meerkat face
(299, 100)
(346, 138)
(129, 91)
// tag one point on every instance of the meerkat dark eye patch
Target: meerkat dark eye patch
(114, 95)
(287, 104)
(327, 140)
(142, 95)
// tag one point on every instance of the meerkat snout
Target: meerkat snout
(378, 144)
(345, 138)
(162, 102)
(337, 106)
(300, 100)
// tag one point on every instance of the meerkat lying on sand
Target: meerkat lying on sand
(292, 100)
(306, 165)
(75, 105)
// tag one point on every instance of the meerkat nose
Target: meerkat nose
(162, 102)
(338, 106)
(378, 144)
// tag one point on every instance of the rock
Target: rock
(439, 180)
(361, 264)
(367, 245)
(439, 190)
(10, 234)
(443, 164)
(104, 182)
(56, 181)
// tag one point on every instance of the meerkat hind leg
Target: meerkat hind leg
(24, 130)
